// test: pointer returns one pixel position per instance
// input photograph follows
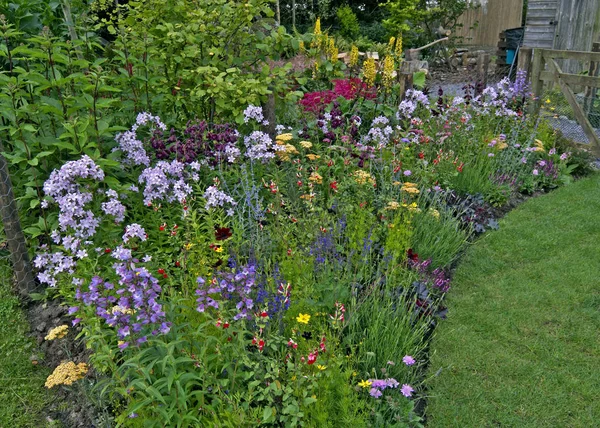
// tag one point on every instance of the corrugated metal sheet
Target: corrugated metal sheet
(482, 26)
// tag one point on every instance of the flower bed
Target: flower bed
(223, 276)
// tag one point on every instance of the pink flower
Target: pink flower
(406, 390)
(408, 360)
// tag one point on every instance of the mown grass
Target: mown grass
(22, 393)
(520, 347)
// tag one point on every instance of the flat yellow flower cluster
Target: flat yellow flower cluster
(410, 188)
(57, 332)
(363, 177)
(392, 205)
(306, 144)
(66, 374)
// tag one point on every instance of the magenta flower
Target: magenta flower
(406, 390)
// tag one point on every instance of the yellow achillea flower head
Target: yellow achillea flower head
(66, 374)
(392, 205)
(353, 56)
(369, 71)
(312, 156)
(365, 383)
(363, 177)
(306, 144)
(284, 137)
(387, 78)
(303, 318)
(57, 332)
(410, 188)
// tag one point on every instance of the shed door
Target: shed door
(540, 25)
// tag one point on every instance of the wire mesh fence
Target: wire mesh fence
(13, 248)
(559, 113)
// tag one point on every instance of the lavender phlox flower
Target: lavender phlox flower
(53, 264)
(259, 146)
(122, 254)
(216, 198)
(134, 230)
(255, 113)
(167, 181)
(72, 197)
(114, 207)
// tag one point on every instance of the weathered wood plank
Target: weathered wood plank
(578, 55)
(536, 82)
(573, 79)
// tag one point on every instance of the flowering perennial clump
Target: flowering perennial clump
(131, 306)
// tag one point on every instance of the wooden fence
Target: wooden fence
(545, 68)
(481, 26)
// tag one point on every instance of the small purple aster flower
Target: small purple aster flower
(408, 172)
(374, 392)
(535, 172)
(406, 390)
(408, 360)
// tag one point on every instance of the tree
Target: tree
(422, 19)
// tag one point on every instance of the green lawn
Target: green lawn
(22, 393)
(521, 346)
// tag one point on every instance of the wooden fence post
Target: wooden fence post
(14, 234)
(536, 83)
(483, 62)
(524, 60)
(406, 83)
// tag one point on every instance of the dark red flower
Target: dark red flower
(222, 233)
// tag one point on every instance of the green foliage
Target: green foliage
(419, 20)
(348, 22)
(198, 69)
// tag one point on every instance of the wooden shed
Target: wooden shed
(563, 24)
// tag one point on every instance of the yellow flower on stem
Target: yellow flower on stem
(353, 62)
(387, 78)
(369, 72)
(306, 144)
(365, 383)
(321, 367)
(303, 318)
(66, 374)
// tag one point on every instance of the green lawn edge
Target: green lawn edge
(23, 397)
(520, 347)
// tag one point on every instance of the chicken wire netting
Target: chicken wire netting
(14, 258)
(559, 113)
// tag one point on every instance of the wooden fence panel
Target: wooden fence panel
(499, 15)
